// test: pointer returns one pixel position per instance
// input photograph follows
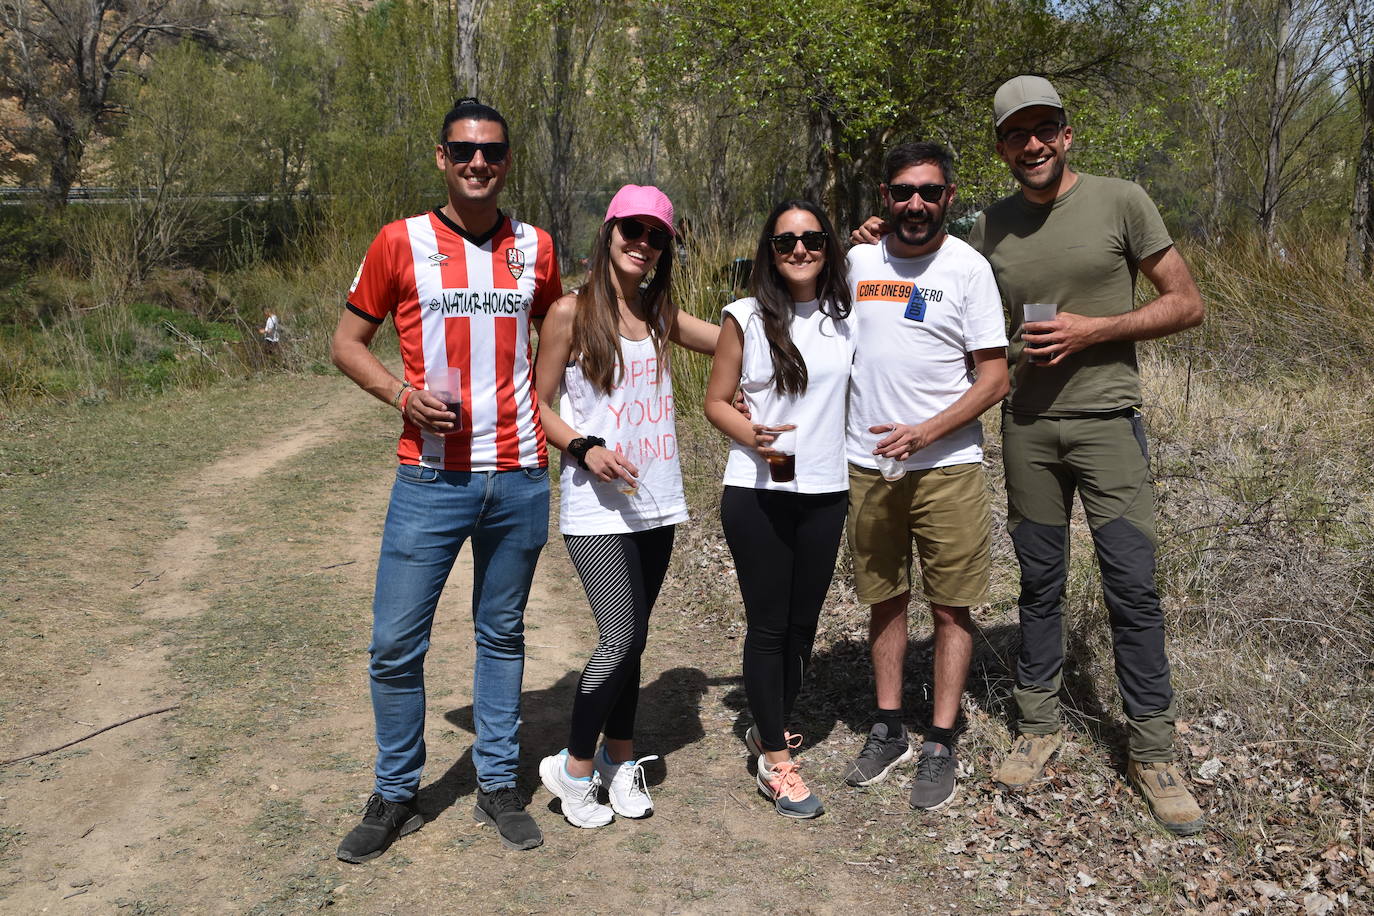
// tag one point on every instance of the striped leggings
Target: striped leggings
(621, 574)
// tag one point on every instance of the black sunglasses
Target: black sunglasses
(813, 240)
(1046, 133)
(464, 150)
(930, 193)
(632, 229)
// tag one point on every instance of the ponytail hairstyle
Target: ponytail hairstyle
(775, 299)
(469, 109)
(596, 320)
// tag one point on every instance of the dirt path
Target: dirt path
(234, 802)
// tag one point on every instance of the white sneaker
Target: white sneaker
(578, 796)
(626, 786)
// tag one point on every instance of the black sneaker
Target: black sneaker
(934, 786)
(504, 809)
(383, 822)
(879, 756)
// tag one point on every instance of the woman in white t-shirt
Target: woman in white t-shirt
(788, 348)
(605, 349)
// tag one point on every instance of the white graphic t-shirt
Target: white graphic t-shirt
(918, 320)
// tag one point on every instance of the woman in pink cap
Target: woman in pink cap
(605, 348)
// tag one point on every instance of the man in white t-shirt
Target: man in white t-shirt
(930, 357)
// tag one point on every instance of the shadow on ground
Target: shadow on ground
(669, 719)
(839, 689)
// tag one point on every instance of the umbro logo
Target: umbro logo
(438, 258)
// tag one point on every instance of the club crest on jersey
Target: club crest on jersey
(515, 262)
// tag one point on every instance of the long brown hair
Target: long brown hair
(775, 299)
(596, 321)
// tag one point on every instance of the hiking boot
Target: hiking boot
(880, 754)
(578, 795)
(781, 784)
(751, 741)
(1167, 796)
(626, 788)
(1025, 763)
(504, 809)
(935, 771)
(383, 822)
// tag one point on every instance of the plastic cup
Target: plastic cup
(1038, 311)
(632, 490)
(782, 467)
(890, 468)
(447, 385)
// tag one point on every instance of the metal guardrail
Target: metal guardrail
(100, 195)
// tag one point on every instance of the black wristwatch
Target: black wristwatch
(579, 447)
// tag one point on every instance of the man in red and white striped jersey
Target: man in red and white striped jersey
(462, 285)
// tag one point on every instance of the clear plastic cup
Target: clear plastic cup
(1038, 311)
(447, 385)
(783, 466)
(890, 468)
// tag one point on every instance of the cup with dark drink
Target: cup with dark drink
(782, 463)
(446, 384)
(1037, 311)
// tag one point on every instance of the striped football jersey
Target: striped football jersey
(465, 302)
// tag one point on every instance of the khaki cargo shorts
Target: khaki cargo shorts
(947, 513)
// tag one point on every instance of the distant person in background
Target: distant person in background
(270, 332)
(788, 347)
(462, 284)
(605, 349)
(1072, 422)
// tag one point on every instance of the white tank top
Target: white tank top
(636, 420)
(827, 348)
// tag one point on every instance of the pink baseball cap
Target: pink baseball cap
(642, 200)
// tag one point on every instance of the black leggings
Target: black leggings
(784, 546)
(621, 574)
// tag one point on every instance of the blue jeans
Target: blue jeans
(506, 514)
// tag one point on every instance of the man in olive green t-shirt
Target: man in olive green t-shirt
(1072, 422)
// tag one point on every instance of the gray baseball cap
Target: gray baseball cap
(1023, 92)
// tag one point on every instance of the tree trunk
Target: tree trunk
(65, 167)
(467, 33)
(1269, 190)
(1359, 252)
(821, 160)
(558, 121)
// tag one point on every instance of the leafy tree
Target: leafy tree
(390, 88)
(64, 60)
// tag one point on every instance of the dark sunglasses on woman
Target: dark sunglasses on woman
(811, 241)
(930, 193)
(632, 229)
(464, 150)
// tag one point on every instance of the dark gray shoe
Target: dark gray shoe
(935, 785)
(880, 754)
(504, 809)
(383, 822)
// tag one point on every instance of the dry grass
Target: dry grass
(1261, 427)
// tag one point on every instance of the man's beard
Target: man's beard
(1055, 173)
(919, 234)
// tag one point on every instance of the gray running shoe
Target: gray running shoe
(935, 785)
(880, 754)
